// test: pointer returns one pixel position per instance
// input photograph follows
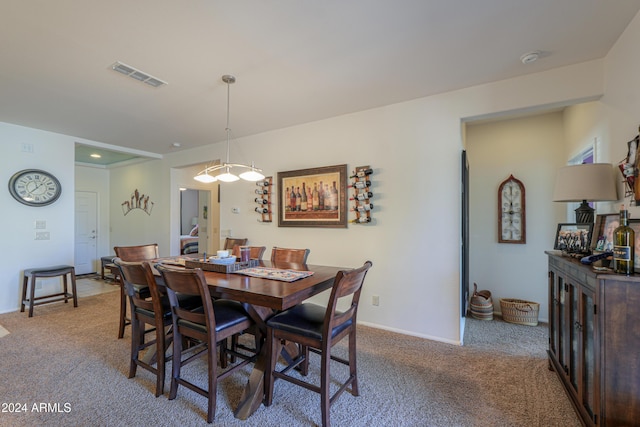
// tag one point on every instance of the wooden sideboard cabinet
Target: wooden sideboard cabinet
(594, 341)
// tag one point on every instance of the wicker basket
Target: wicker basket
(519, 311)
(481, 304)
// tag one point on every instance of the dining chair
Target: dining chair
(294, 256)
(255, 252)
(230, 242)
(209, 325)
(148, 308)
(130, 254)
(316, 328)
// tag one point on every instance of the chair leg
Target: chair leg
(353, 370)
(74, 290)
(224, 357)
(325, 402)
(25, 285)
(32, 294)
(161, 354)
(176, 363)
(137, 334)
(123, 309)
(212, 363)
(65, 289)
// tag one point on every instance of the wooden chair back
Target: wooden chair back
(347, 283)
(294, 256)
(137, 275)
(230, 242)
(137, 253)
(255, 252)
(189, 282)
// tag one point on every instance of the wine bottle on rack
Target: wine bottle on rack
(261, 191)
(362, 173)
(261, 201)
(360, 184)
(361, 220)
(363, 208)
(362, 196)
(623, 245)
(261, 210)
(263, 183)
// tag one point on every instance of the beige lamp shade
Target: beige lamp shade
(593, 182)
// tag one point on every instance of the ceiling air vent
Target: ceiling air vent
(134, 73)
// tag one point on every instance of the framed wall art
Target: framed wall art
(315, 197)
(575, 238)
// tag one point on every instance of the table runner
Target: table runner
(275, 273)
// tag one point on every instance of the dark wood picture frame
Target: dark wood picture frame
(573, 237)
(332, 178)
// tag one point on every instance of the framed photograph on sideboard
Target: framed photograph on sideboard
(573, 237)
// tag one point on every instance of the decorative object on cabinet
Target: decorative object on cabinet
(603, 231)
(594, 341)
(511, 211)
(34, 187)
(361, 184)
(589, 182)
(314, 197)
(263, 199)
(137, 201)
(251, 174)
(629, 169)
(573, 238)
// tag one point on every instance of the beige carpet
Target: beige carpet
(71, 360)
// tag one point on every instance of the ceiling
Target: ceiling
(295, 61)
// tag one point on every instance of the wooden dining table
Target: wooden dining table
(262, 298)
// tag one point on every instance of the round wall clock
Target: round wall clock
(511, 211)
(34, 187)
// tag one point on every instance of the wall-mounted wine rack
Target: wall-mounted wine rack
(361, 184)
(263, 199)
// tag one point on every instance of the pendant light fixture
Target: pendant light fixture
(251, 174)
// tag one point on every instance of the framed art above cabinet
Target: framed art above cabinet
(511, 211)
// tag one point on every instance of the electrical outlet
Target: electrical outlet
(235, 210)
(375, 300)
(42, 235)
(41, 224)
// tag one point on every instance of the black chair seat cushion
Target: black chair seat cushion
(305, 319)
(187, 301)
(228, 313)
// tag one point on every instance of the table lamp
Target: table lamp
(588, 182)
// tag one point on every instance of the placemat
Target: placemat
(275, 273)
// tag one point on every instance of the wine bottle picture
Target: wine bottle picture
(362, 196)
(362, 173)
(361, 220)
(363, 208)
(360, 184)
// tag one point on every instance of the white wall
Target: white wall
(532, 149)
(52, 153)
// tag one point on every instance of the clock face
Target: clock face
(511, 212)
(35, 187)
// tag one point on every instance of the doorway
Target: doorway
(199, 222)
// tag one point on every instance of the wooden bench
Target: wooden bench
(53, 271)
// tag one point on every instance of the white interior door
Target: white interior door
(86, 234)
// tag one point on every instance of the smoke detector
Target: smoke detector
(530, 57)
